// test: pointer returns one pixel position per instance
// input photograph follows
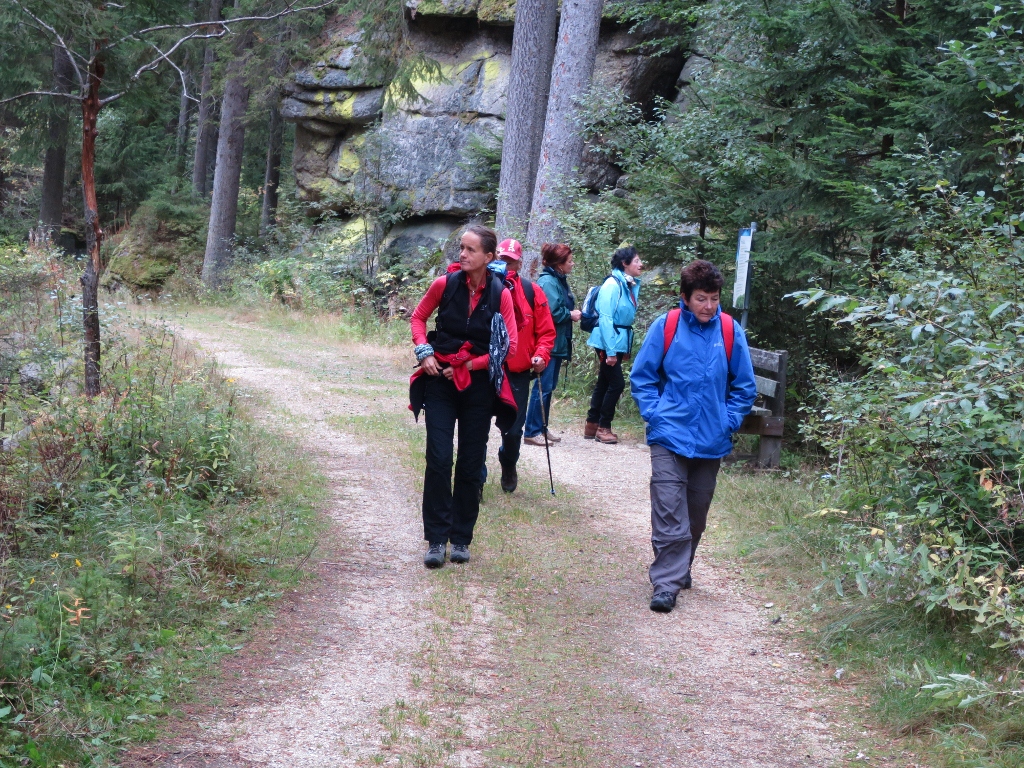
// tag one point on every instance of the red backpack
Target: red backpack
(728, 332)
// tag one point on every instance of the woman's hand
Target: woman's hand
(575, 315)
(611, 360)
(430, 366)
(449, 372)
(538, 364)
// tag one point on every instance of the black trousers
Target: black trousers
(512, 441)
(610, 383)
(450, 512)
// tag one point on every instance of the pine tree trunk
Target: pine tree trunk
(226, 178)
(562, 147)
(51, 205)
(206, 137)
(181, 140)
(93, 232)
(533, 51)
(272, 174)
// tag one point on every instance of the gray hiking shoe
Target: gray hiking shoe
(435, 556)
(663, 602)
(460, 553)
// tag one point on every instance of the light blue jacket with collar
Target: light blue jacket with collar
(691, 397)
(616, 309)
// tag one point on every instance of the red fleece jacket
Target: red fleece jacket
(432, 299)
(535, 325)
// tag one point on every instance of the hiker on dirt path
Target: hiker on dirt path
(461, 378)
(694, 384)
(536, 340)
(612, 339)
(558, 263)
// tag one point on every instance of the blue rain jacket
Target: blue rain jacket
(695, 400)
(616, 308)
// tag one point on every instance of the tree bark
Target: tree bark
(93, 232)
(272, 174)
(51, 205)
(533, 51)
(562, 146)
(181, 140)
(226, 178)
(206, 137)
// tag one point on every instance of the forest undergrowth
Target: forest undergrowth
(144, 531)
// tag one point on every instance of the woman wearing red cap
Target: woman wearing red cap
(461, 378)
(536, 340)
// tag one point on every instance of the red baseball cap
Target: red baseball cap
(510, 249)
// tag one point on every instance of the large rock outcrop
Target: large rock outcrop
(360, 146)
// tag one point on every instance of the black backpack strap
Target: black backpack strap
(450, 287)
(497, 286)
(528, 291)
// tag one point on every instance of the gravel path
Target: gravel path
(382, 662)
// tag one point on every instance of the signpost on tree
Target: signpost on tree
(744, 273)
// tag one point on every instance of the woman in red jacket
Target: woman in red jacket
(461, 378)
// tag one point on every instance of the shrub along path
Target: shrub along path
(540, 651)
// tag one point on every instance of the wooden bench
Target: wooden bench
(766, 418)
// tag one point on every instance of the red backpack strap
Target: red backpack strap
(728, 335)
(671, 323)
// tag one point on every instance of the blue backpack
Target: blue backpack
(588, 312)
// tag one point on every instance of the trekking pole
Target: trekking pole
(544, 420)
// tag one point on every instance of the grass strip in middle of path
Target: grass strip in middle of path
(529, 633)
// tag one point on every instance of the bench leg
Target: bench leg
(769, 454)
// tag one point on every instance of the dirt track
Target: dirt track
(541, 651)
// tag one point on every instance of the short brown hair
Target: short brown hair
(700, 275)
(488, 237)
(555, 254)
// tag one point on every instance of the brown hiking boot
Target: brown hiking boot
(538, 440)
(606, 436)
(552, 439)
(590, 430)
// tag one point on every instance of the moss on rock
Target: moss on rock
(165, 234)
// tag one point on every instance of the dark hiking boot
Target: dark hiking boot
(460, 553)
(590, 430)
(435, 556)
(687, 582)
(663, 602)
(509, 478)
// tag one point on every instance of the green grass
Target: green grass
(888, 650)
(146, 532)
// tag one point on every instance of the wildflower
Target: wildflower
(32, 581)
(78, 563)
(55, 555)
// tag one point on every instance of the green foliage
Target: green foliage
(140, 529)
(929, 436)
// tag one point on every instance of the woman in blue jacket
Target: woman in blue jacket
(693, 392)
(612, 339)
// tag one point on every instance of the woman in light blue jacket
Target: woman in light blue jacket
(612, 339)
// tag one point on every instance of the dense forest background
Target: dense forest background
(877, 144)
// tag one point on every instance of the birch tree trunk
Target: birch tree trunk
(562, 147)
(533, 51)
(205, 128)
(51, 204)
(272, 174)
(226, 178)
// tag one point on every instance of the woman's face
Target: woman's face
(566, 267)
(472, 257)
(703, 304)
(634, 268)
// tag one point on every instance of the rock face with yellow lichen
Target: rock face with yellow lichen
(417, 157)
